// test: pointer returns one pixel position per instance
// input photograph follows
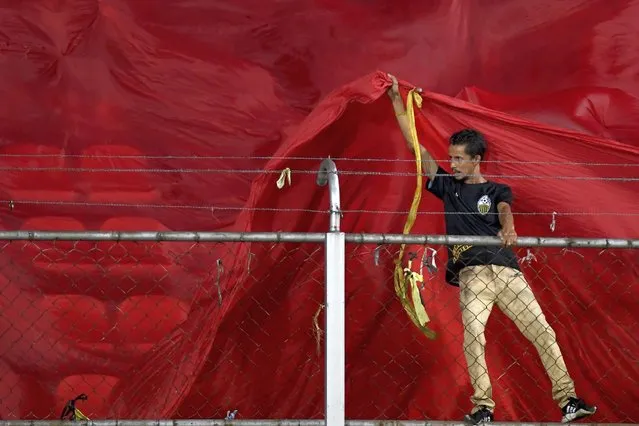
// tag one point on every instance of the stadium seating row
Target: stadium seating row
(22, 182)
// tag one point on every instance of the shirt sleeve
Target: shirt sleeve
(440, 184)
(504, 194)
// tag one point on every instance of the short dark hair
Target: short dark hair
(473, 141)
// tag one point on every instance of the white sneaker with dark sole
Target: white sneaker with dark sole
(576, 409)
(479, 417)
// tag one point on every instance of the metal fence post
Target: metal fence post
(335, 354)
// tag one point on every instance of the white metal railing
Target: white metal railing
(335, 290)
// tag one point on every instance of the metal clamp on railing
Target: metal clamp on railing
(328, 174)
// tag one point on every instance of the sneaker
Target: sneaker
(483, 415)
(576, 409)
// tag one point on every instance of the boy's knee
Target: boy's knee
(540, 332)
(474, 334)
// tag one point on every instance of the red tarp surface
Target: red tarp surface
(140, 85)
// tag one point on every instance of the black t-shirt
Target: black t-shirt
(471, 209)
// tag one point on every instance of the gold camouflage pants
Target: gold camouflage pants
(480, 288)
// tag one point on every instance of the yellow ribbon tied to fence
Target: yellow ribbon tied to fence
(71, 412)
(406, 280)
(285, 176)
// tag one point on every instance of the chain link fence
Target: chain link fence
(322, 327)
(564, 323)
(214, 326)
(142, 322)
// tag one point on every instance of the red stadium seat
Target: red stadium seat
(31, 264)
(129, 252)
(143, 268)
(148, 319)
(116, 186)
(79, 318)
(26, 183)
(106, 270)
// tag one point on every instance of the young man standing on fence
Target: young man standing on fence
(488, 275)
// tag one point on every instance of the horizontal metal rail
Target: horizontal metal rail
(309, 237)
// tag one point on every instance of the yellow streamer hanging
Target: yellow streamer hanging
(71, 412)
(405, 277)
(80, 416)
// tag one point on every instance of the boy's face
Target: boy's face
(462, 164)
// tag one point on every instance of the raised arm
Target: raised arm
(429, 165)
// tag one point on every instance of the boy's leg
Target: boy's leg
(477, 296)
(516, 299)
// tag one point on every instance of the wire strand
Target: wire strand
(300, 210)
(264, 158)
(262, 171)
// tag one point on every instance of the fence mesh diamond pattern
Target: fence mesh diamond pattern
(203, 329)
(583, 298)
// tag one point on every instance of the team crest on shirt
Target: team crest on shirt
(483, 205)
